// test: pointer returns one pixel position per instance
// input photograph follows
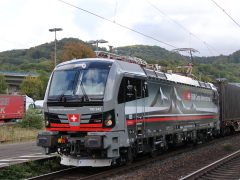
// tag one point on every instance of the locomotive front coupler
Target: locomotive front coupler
(75, 144)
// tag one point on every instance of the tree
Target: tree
(44, 77)
(76, 50)
(35, 87)
(3, 85)
(30, 87)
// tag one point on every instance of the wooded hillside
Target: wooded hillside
(207, 69)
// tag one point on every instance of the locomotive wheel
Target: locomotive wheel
(119, 161)
(226, 131)
(165, 148)
(201, 137)
(129, 156)
(153, 153)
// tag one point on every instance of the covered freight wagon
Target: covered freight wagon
(229, 107)
(13, 106)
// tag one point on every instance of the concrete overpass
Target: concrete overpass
(15, 78)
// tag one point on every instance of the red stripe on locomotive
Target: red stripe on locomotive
(81, 125)
(133, 121)
(76, 128)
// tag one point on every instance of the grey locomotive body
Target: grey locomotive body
(102, 111)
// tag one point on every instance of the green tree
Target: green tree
(35, 87)
(44, 77)
(3, 84)
(30, 87)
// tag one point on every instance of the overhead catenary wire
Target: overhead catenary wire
(14, 42)
(114, 21)
(226, 13)
(183, 27)
(118, 24)
(208, 49)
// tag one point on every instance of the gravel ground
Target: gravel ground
(181, 165)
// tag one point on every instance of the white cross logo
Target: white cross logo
(189, 96)
(73, 118)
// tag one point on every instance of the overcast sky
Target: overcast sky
(198, 24)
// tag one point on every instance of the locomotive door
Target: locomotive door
(140, 107)
(134, 90)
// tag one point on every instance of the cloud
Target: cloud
(199, 24)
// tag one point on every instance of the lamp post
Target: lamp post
(110, 48)
(96, 42)
(55, 51)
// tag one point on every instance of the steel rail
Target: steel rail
(54, 175)
(211, 166)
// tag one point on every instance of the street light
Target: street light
(110, 48)
(55, 52)
(96, 42)
(221, 79)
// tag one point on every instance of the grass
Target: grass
(30, 169)
(12, 134)
(24, 130)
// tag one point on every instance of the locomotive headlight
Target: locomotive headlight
(108, 121)
(108, 118)
(46, 122)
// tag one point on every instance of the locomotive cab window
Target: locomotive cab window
(75, 83)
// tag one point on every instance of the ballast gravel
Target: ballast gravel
(181, 165)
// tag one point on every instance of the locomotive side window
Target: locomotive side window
(132, 89)
(139, 88)
(145, 89)
(121, 92)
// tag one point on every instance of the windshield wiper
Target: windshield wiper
(59, 98)
(84, 92)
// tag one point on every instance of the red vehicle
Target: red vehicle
(12, 107)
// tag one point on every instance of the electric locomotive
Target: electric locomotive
(102, 111)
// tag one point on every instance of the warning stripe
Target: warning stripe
(176, 118)
(81, 125)
(76, 128)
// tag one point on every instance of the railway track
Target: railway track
(103, 173)
(224, 169)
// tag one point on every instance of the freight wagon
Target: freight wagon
(229, 107)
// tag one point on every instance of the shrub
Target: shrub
(228, 146)
(32, 119)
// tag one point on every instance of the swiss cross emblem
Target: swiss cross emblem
(187, 96)
(73, 117)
